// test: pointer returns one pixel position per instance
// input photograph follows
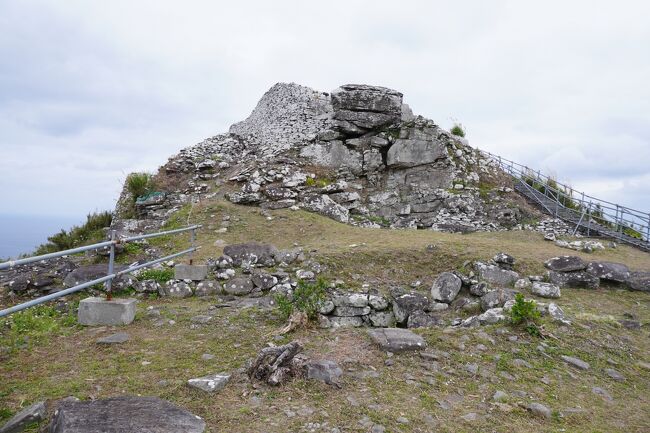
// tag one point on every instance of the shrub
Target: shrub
(139, 184)
(306, 299)
(458, 130)
(161, 275)
(525, 313)
(92, 231)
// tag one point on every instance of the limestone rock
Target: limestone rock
(211, 383)
(31, 414)
(616, 272)
(446, 287)
(326, 371)
(496, 298)
(397, 339)
(252, 252)
(639, 281)
(238, 286)
(566, 264)
(405, 303)
(324, 205)
(495, 275)
(578, 279)
(545, 290)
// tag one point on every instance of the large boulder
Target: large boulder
(252, 252)
(577, 279)
(495, 275)
(566, 264)
(360, 108)
(334, 154)
(412, 152)
(83, 274)
(639, 281)
(446, 287)
(616, 272)
(238, 286)
(406, 303)
(125, 414)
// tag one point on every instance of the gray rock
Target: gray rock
(339, 322)
(616, 272)
(420, 319)
(479, 289)
(148, 286)
(264, 281)
(446, 287)
(522, 283)
(539, 410)
(614, 374)
(31, 414)
(566, 264)
(325, 206)
(358, 300)
(125, 414)
(396, 339)
(503, 260)
(405, 303)
(212, 383)
(545, 290)
(576, 279)
(495, 275)
(639, 281)
(326, 371)
(84, 274)
(382, 319)
(351, 311)
(176, 289)
(601, 392)
(252, 252)
(578, 363)
(238, 286)
(500, 396)
(326, 307)
(557, 314)
(334, 154)
(378, 302)
(496, 298)
(118, 338)
(406, 153)
(207, 288)
(201, 319)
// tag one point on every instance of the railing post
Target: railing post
(589, 221)
(192, 240)
(647, 229)
(111, 261)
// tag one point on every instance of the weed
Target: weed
(317, 182)
(306, 299)
(139, 184)
(161, 275)
(458, 130)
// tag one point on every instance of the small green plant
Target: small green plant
(34, 325)
(161, 275)
(525, 313)
(139, 184)
(458, 130)
(306, 299)
(317, 182)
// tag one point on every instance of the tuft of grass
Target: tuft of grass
(161, 275)
(317, 182)
(458, 130)
(92, 231)
(306, 299)
(139, 184)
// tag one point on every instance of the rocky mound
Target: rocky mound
(357, 155)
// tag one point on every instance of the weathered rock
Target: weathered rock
(326, 307)
(382, 319)
(211, 383)
(446, 287)
(351, 311)
(397, 339)
(503, 260)
(496, 298)
(413, 152)
(359, 108)
(358, 300)
(340, 321)
(148, 286)
(118, 338)
(238, 286)
(190, 272)
(325, 206)
(124, 414)
(479, 289)
(31, 414)
(251, 252)
(522, 283)
(616, 272)
(334, 154)
(539, 410)
(639, 281)
(405, 303)
(557, 314)
(207, 288)
(566, 264)
(614, 374)
(545, 290)
(326, 371)
(264, 281)
(176, 289)
(420, 319)
(577, 279)
(579, 363)
(378, 302)
(495, 275)
(84, 274)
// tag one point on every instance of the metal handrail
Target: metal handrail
(621, 217)
(107, 280)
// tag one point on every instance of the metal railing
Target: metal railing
(593, 215)
(110, 274)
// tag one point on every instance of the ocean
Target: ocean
(21, 234)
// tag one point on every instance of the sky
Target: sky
(90, 91)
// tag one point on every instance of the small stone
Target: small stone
(539, 410)
(582, 365)
(402, 420)
(472, 416)
(211, 383)
(207, 357)
(601, 392)
(500, 396)
(118, 338)
(614, 374)
(31, 414)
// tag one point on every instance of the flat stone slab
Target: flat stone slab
(95, 311)
(191, 272)
(211, 383)
(397, 339)
(118, 338)
(125, 414)
(27, 416)
(578, 363)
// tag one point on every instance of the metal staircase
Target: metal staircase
(589, 215)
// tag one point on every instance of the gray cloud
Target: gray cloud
(90, 91)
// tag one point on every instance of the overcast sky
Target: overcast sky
(90, 91)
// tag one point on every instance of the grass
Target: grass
(92, 231)
(139, 185)
(61, 359)
(161, 275)
(458, 130)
